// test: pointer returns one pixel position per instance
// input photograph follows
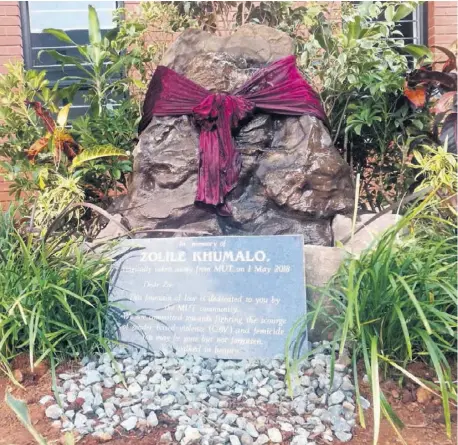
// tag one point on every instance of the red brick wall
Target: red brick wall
(442, 24)
(10, 49)
(10, 33)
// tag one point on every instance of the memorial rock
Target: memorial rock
(293, 180)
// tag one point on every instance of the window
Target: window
(70, 16)
(414, 26)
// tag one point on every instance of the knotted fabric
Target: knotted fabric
(277, 88)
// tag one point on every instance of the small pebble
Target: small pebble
(274, 435)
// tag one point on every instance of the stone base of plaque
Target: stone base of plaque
(321, 263)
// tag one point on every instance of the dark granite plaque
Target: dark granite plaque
(223, 297)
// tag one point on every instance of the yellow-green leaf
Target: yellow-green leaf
(63, 115)
(99, 151)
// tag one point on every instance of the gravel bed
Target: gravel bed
(206, 401)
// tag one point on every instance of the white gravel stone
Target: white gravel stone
(343, 437)
(134, 389)
(152, 419)
(166, 437)
(246, 439)
(54, 411)
(130, 423)
(46, 399)
(251, 430)
(365, 404)
(234, 440)
(71, 396)
(138, 411)
(92, 376)
(69, 414)
(80, 420)
(109, 408)
(190, 435)
(213, 402)
(274, 435)
(336, 397)
(261, 440)
(301, 439)
(263, 392)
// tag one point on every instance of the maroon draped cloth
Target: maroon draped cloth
(277, 88)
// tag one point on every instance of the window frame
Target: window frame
(26, 32)
(28, 49)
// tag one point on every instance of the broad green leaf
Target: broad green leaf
(97, 152)
(351, 78)
(354, 28)
(389, 13)
(115, 67)
(95, 37)
(418, 51)
(59, 34)
(402, 11)
(66, 60)
(22, 413)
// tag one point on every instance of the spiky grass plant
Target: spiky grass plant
(53, 297)
(396, 304)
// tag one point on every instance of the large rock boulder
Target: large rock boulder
(292, 181)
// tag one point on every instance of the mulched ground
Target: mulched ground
(423, 417)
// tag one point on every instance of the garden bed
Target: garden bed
(423, 419)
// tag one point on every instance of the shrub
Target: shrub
(53, 297)
(396, 304)
(144, 34)
(359, 66)
(36, 133)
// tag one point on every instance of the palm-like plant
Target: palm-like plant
(99, 63)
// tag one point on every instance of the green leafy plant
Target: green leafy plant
(60, 192)
(396, 304)
(116, 127)
(20, 124)
(358, 65)
(100, 63)
(437, 170)
(83, 163)
(144, 33)
(33, 141)
(54, 292)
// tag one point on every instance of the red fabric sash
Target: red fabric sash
(278, 89)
